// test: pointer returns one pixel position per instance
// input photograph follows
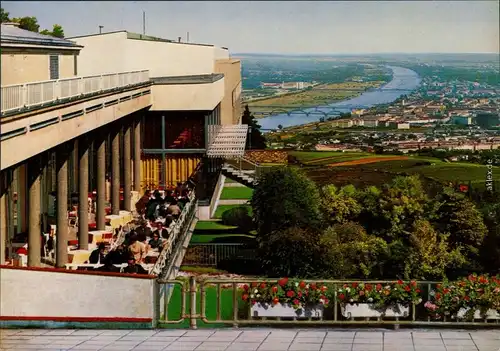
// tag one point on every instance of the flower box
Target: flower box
(285, 310)
(368, 310)
(490, 314)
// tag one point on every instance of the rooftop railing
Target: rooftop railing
(25, 96)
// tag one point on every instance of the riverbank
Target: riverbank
(323, 94)
(404, 82)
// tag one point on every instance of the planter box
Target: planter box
(368, 310)
(285, 310)
(490, 314)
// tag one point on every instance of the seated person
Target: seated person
(97, 256)
(155, 242)
(118, 256)
(143, 239)
(174, 209)
(108, 265)
(137, 249)
(133, 267)
(169, 197)
(141, 205)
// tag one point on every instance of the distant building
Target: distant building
(399, 125)
(461, 120)
(487, 120)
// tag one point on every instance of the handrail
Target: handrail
(19, 96)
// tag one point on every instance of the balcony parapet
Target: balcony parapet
(194, 79)
(25, 97)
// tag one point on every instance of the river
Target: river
(404, 81)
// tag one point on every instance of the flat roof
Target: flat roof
(14, 35)
(194, 79)
(138, 36)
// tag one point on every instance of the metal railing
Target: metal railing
(175, 230)
(246, 167)
(19, 96)
(212, 254)
(219, 302)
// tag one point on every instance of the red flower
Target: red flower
(262, 285)
(290, 293)
(361, 293)
(299, 293)
(400, 282)
(466, 298)
(341, 296)
(446, 291)
(438, 296)
(368, 287)
(255, 284)
(302, 284)
(253, 302)
(282, 282)
(274, 289)
(407, 288)
(244, 297)
(296, 302)
(323, 288)
(483, 280)
(276, 301)
(245, 287)
(354, 285)
(379, 287)
(417, 291)
(413, 283)
(313, 286)
(472, 278)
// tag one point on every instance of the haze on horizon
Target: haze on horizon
(302, 27)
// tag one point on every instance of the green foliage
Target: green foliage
(339, 205)
(290, 252)
(239, 217)
(430, 254)
(31, 23)
(255, 139)
(284, 198)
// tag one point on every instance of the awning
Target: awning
(229, 142)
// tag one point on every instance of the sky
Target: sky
(286, 27)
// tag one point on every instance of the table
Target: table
(101, 235)
(79, 256)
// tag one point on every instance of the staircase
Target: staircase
(245, 177)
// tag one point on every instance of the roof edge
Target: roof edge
(96, 34)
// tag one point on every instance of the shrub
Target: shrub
(285, 197)
(239, 217)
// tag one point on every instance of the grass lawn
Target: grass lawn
(223, 208)
(229, 180)
(215, 232)
(236, 193)
(174, 307)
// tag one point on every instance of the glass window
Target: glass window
(185, 130)
(151, 131)
(54, 66)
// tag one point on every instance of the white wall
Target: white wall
(34, 293)
(109, 53)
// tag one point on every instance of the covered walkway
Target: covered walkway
(252, 340)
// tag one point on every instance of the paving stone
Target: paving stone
(336, 347)
(173, 332)
(462, 348)
(243, 346)
(458, 342)
(60, 332)
(429, 348)
(308, 340)
(367, 347)
(368, 335)
(116, 332)
(163, 339)
(338, 341)
(340, 334)
(456, 335)
(304, 347)
(213, 346)
(426, 335)
(198, 333)
(311, 334)
(182, 346)
(488, 348)
(274, 347)
(199, 339)
(428, 342)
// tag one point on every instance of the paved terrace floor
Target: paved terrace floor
(250, 340)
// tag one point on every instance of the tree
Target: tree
(291, 252)
(457, 215)
(280, 127)
(403, 201)
(4, 16)
(31, 24)
(255, 138)
(28, 23)
(285, 197)
(430, 253)
(348, 251)
(339, 205)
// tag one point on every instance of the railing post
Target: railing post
(57, 90)
(24, 92)
(192, 304)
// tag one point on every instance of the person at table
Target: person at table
(109, 265)
(144, 240)
(118, 256)
(141, 205)
(162, 230)
(97, 256)
(169, 197)
(155, 242)
(133, 267)
(174, 210)
(137, 249)
(153, 204)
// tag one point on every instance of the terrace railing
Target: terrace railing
(21, 96)
(222, 298)
(212, 254)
